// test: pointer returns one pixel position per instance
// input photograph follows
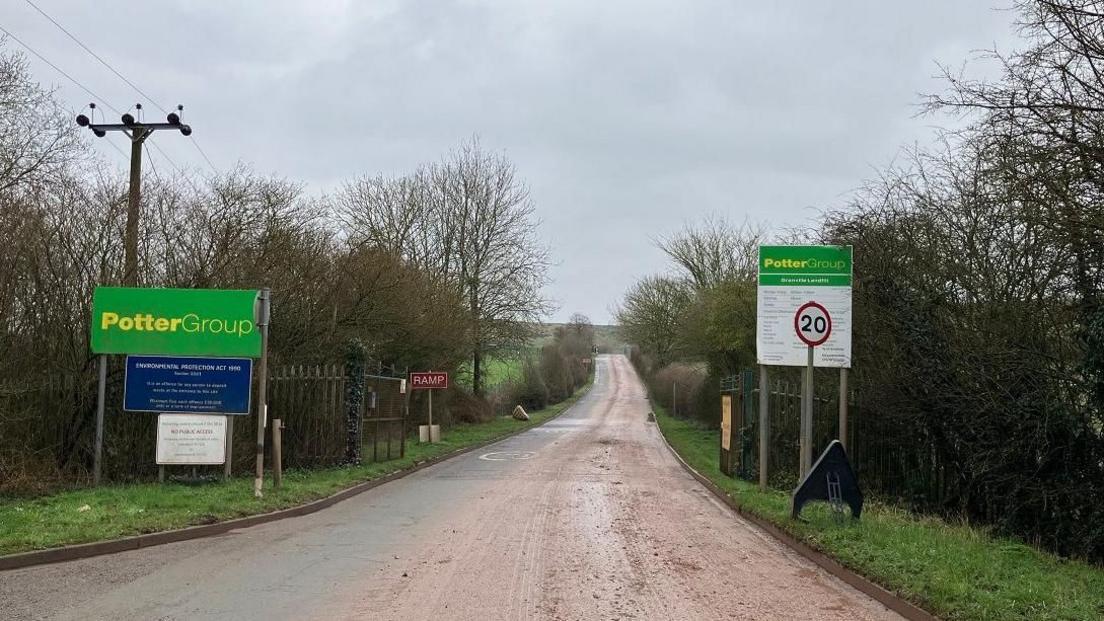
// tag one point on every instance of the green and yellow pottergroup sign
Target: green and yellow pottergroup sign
(789, 278)
(181, 322)
(813, 266)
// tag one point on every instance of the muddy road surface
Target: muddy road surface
(586, 517)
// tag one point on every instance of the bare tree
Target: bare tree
(469, 221)
(1046, 115)
(37, 137)
(393, 213)
(500, 265)
(651, 315)
(715, 251)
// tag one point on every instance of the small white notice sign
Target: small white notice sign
(191, 439)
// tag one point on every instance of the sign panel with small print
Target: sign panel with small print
(166, 384)
(726, 422)
(191, 439)
(790, 277)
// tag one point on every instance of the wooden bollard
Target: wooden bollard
(277, 453)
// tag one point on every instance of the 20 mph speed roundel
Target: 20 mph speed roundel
(813, 324)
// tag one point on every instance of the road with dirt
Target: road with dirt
(588, 516)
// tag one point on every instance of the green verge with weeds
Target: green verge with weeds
(955, 571)
(112, 512)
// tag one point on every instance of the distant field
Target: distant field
(508, 366)
(605, 335)
(609, 339)
(499, 370)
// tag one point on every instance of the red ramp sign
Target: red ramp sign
(428, 379)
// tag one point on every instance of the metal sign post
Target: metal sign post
(813, 325)
(807, 418)
(263, 313)
(97, 463)
(764, 427)
(405, 416)
(843, 408)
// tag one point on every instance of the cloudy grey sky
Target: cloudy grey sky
(627, 118)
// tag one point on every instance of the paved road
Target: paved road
(586, 517)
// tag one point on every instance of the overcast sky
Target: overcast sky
(626, 118)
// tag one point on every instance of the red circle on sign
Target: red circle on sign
(811, 342)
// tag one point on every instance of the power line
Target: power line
(113, 108)
(153, 167)
(119, 75)
(79, 85)
(117, 149)
(179, 171)
(96, 56)
(59, 70)
(201, 152)
(166, 156)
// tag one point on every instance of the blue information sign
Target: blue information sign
(195, 385)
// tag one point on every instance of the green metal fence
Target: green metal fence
(887, 464)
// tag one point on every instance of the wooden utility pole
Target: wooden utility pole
(137, 131)
(134, 200)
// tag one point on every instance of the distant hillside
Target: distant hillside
(605, 334)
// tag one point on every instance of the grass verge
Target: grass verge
(111, 512)
(954, 571)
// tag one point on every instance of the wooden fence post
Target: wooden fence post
(228, 449)
(277, 452)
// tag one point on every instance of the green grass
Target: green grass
(954, 571)
(123, 510)
(497, 371)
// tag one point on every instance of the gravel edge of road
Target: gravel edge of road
(861, 583)
(99, 548)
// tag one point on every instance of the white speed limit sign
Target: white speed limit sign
(813, 324)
